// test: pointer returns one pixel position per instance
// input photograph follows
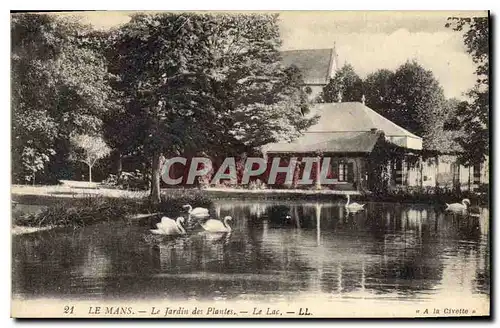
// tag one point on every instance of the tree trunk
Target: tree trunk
(119, 166)
(155, 179)
(457, 184)
(90, 173)
(469, 178)
(436, 182)
(421, 165)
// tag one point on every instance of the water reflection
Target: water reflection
(276, 250)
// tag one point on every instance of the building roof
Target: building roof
(335, 142)
(353, 116)
(317, 65)
(347, 127)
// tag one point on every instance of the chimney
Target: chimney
(363, 99)
(339, 97)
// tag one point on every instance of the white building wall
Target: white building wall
(429, 171)
(465, 172)
(443, 173)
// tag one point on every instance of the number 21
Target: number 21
(68, 309)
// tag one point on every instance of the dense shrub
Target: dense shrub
(82, 211)
(92, 209)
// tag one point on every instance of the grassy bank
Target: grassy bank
(90, 209)
(80, 212)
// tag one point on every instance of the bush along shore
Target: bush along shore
(88, 210)
(81, 211)
(430, 197)
(407, 195)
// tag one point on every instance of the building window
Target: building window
(342, 172)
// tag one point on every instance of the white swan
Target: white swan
(168, 226)
(198, 212)
(353, 206)
(353, 210)
(217, 225)
(214, 237)
(458, 207)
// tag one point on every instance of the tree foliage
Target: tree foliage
(205, 83)
(418, 103)
(59, 86)
(345, 86)
(378, 90)
(472, 117)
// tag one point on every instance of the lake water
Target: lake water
(403, 252)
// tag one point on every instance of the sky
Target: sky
(369, 40)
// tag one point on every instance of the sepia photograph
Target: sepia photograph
(250, 164)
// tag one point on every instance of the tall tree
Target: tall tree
(472, 118)
(205, 84)
(59, 86)
(417, 103)
(378, 88)
(345, 86)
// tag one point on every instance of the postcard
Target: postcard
(293, 164)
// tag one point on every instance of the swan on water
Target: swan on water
(198, 212)
(217, 225)
(353, 210)
(457, 207)
(167, 226)
(215, 237)
(353, 206)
